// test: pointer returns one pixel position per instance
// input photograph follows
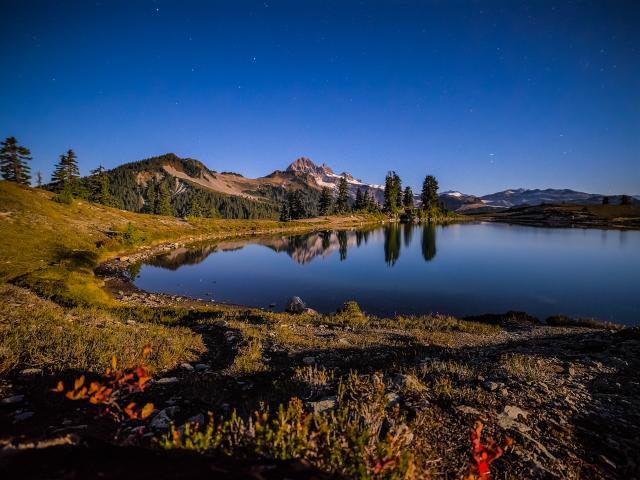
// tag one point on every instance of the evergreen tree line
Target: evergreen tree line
(298, 204)
(397, 200)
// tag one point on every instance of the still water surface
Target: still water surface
(462, 269)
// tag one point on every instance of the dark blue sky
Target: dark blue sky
(485, 95)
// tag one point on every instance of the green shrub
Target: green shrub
(348, 440)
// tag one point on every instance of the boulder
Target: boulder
(295, 305)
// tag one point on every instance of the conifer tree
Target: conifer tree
(195, 207)
(152, 198)
(359, 203)
(284, 210)
(13, 162)
(342, 202)
(397, 188)
(366, 201)
(326, 201)
(39, 179)
(429, 193)
(66, 175)
(163, 205)
(392, 193)
(99, 187)
(407, 199)
(296, 206)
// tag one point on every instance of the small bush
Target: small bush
(249, 359)
(524, 367)
(314, 377)
(347, 441)
(351, 314)
(65, 197)
(132, 236)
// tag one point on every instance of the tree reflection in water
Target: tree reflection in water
(428, 242)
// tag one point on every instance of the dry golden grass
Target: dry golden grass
(39, 333)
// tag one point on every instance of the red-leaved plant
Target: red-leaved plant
(483, 454)
(112, 391)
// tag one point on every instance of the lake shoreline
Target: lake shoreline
(318, 251)
(602, 217)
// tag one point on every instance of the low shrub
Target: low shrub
(348, 440)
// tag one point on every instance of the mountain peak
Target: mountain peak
(306, 165)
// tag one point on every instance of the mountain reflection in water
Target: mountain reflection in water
(305, 248)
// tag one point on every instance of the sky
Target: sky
(485, 95)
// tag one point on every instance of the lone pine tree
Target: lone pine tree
(66, 174)
(429, 194)
(13, 162)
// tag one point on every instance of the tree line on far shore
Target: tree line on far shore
(397, 202)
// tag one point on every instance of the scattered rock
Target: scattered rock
(12, 400)
(393, 399)
(162, 420)
(21, 417)
(309, 360)
(509, 423)
(295, 305)
(468, 410)
(344, 341)
(322, 405)
(201, 367)
(310, 311)
(221, 323)
(186, 366)
(491, 386)
(31, 372)
(230, 336)
(607, 461)
(514, 412)
(167, 380)
(196, 419)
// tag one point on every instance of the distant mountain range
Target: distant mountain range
(233, 195)
(461, 202)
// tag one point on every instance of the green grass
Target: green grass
(38, 333)
(52, 248)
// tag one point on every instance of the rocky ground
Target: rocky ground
(568, 396)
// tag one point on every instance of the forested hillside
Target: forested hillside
(146, 186)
